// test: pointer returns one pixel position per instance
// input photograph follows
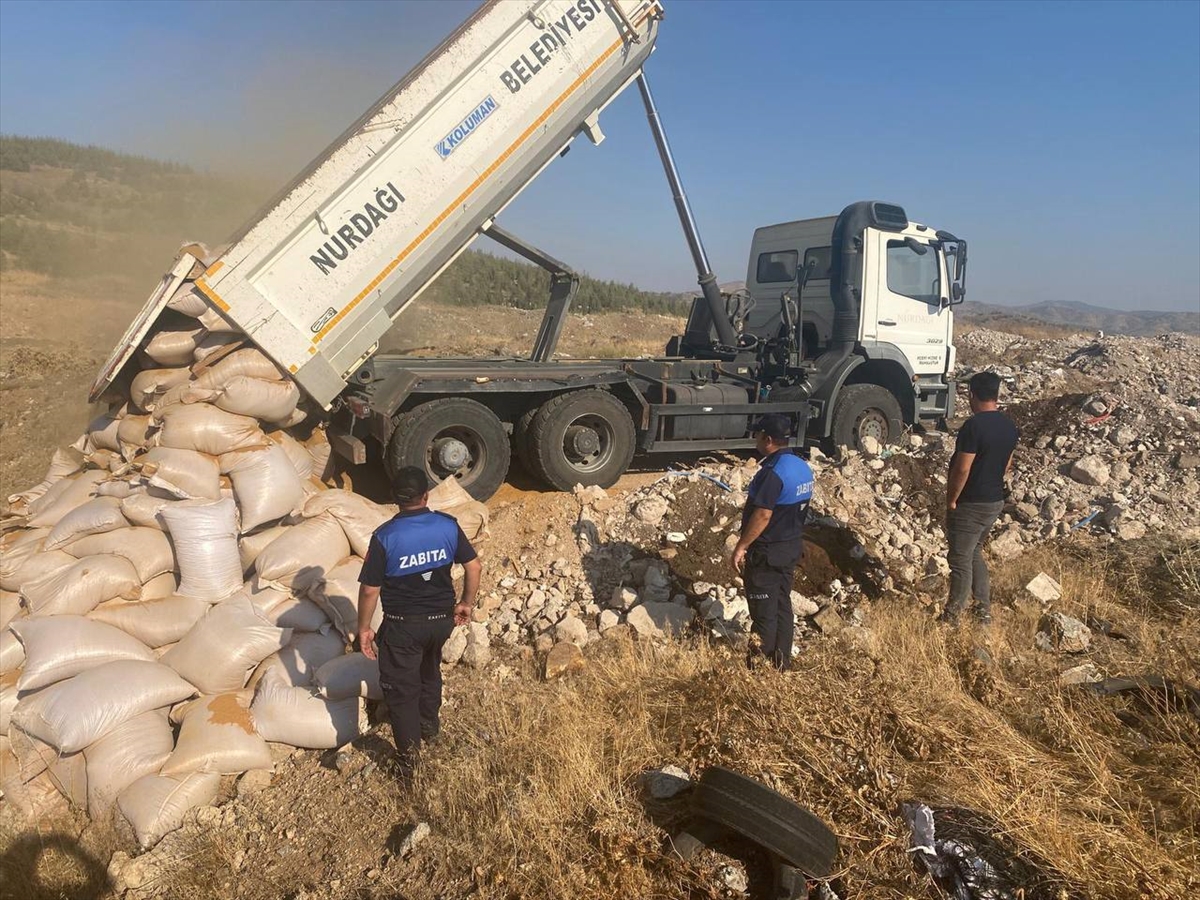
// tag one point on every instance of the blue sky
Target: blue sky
(1061, 139)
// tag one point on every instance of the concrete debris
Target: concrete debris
(1044, 589)
(1058, 631)
(667, 782)
(1088, 673)
(411, 840)
(1091, 470)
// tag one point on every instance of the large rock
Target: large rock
(1044, 589)
(802, 606)
(1058, 631)
(1090, 469)
(455, 645)
(651, 510)
(572, 630)
(608, 619)
(623, 598)
(563, 658)
(654, 619)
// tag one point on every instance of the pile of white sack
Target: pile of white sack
(181, 589)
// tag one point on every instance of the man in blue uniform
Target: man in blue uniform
(769, 547)
(408, 568)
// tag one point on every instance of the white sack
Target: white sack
(204, 428)
(65, 461)
(67, 771)
(205, 536)
(155, 804)
(77, 712)
(265, 484)
(147, 548)
(155, 623)
(39, 565)
(214, 343)
(216, 323)
(142, 509)
(220, 651)
(135, 432)
(218, 735)
(452, 498)
(15, 548)
(188, 300)
(302, 462)
(117, 490)
(270, 401)
(249, 363)
(321, 451)
(12, 654)
(36, 802)
(303, 554)
(300, 615)
(68, 494)
(59, 647)
(337, 595)
(173, 347)
(10, 608)
(160, 587)
(251, 545)
(133, 749)
(186, 472)
(358, 516)
(102, 433)
(298, 716)
(307, 652)
(149, 386)
(80, 588)
(94, 517)
(32, 755)
(352, 675)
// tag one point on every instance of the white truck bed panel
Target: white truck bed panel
(318, 277)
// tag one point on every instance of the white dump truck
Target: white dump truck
(845, 324)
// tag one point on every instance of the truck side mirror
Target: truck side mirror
(957, 292)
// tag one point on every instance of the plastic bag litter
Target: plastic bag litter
(155, 804)
(358, 516)
(300, 717)
(206, 429)
(307, 652)
(93, 517)
(956, 865)
(155, 623)
(65, 496)
(249, 363)
(251, 545)
(303, 554)
(173, 347)
(185, 473)
(60, 647)
(149, 386)
(147, 548)
(130, 751)
(73, 714)
(222, 649)
(217, 735)
(79, 588)
(205, 536)
(12, 654)
(352, 675)
(337, 595)
(270, 401)
(265, 484)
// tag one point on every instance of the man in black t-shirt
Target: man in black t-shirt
(408, 568)
(975, 495)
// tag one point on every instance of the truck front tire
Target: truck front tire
(453, 437)
(865, 410)
(582, 437)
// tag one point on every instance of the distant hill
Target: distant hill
(73, 211)
(1078, 316)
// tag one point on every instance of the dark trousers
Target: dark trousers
(967, 528)
(410, 675)
(768, 579)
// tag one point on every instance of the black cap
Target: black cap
(409, 483)
(774, 425)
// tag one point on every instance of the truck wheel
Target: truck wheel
(455, 437)
(865, 410)
(520, 440)
(766, 817)
(582, 437)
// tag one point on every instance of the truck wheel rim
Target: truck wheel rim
(457, 451)
(872, 423)
(588, 443)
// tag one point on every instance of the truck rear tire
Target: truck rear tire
(520, 440)
(582, 437)
(453, 437)
(864, 410)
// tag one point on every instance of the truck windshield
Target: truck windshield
(912, 274)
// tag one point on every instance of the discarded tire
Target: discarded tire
(766, 817)
(582, 437)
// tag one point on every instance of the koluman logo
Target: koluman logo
(465, 128)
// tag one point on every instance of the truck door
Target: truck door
(907, 309)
